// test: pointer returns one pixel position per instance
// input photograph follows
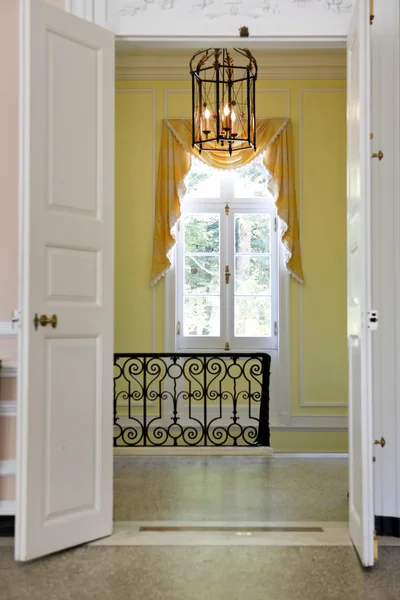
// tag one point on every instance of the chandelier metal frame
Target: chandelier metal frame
(223, 100)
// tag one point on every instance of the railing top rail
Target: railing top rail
(192, 354)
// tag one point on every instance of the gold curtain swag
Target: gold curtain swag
(274, 141)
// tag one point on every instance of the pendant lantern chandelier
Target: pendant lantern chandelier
(223, 100)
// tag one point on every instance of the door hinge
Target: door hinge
(376, 547)
(373, 320)
(178, 328)
(371, 12)
(227, 209)
(276, 224)
(16, 319)
(276, 328)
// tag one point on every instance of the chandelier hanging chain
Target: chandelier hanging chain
(223, 100)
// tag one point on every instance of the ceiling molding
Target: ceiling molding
(299, 64)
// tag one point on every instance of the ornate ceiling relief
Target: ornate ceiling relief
(212, 9)
(253, 9)
(130, 9)
(335, 5)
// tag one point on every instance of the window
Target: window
(227, 261)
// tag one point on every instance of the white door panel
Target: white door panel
(64, 487)
(361, 514)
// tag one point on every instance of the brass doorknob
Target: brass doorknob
(381, 442)
(43, 321)
(378, 155)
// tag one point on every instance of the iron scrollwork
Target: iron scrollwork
(191, 400)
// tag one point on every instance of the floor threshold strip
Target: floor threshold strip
(230, 529)
(228, 533)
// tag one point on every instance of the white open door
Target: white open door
(65, 400)
(361, 515)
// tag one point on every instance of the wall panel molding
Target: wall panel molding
(9, 370)
(303, 402)
(7, 330)
(8, 408)
(85, 9)
(7, 507)
(8, 468)
(172, 91)
(287, 421)
(153, 93)
(177, 91)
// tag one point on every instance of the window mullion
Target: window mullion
(230, 286)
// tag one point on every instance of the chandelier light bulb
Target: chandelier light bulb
(226, 110)
(233, 119)
(207, 115)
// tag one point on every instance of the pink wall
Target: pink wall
(9, 217)
(8, 158)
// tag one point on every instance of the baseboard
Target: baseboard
(7, 526)
(193, 451)
(388, 526)
(279, 454)
(7, 507)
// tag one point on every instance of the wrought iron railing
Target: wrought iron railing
(191, 400)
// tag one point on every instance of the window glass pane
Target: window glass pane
(202, 233)
(252, 275)
(251, 181)
(201, 290)
(202, 274)
(202, 181)
(252, 233)
(201, 316)
(252, 316)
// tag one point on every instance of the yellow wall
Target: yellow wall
(318, 310)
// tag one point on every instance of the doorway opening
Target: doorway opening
(306, 326)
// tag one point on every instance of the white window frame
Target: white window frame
(264, 205)
(198, 343)
(267, 206)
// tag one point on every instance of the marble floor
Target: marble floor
(236, 496)
(230, 489)
(201, 573)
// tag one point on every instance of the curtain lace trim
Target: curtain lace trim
(271, 185)
(176, 136)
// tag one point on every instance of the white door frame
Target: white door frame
(315, 41)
